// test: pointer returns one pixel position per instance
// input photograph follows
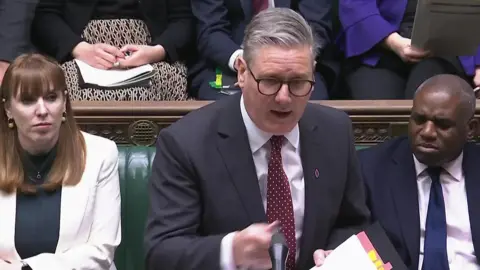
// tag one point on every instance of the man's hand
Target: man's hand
(476, 77)
(14, 265)
(3, 68)
(319, 256)
(250, 246)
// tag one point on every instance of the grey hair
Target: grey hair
(281, 27)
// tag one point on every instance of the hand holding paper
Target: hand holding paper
(358, 252)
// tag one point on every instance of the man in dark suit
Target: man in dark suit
(15, 19)
(424, 188)
(220, 29)
(227, 176)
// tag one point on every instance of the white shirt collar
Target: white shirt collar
(257, 137)
(454, 167)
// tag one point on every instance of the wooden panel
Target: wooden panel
(138, 123)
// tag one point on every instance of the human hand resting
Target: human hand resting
(100, 55)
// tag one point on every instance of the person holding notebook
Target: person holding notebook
(376, 40)
(112, 34)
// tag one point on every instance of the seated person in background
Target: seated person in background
(15, 20)
(101, 32)
(220, 30)
(59, 187)
(381, 62)
(424, 189)
(216, 197)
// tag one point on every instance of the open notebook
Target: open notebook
(114, 78)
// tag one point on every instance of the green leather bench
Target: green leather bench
(134, 167)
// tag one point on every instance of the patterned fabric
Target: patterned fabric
(435, 246)
(169, 82)
(279, 198)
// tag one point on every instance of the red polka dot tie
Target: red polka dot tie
(279, 198)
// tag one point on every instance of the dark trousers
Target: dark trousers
(392, 78)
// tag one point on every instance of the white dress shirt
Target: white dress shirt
(460, 251)
(292, 164)
(239, 52)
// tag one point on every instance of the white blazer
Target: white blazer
(90, 229)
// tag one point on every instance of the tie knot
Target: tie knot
(434, 173)
(277, 141)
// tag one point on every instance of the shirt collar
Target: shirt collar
(454, 167)
(257, 137)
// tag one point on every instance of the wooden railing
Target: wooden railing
(138, 123)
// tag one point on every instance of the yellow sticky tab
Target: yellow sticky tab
(373, 255)
(218, 79)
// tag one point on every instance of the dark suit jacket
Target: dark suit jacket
(366, 23)
(221, 25)
(391, 183)
(15, 19)
(204, 186)
(58, 25)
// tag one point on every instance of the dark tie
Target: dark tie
(279, 198)
(259, 5)
(435, 245)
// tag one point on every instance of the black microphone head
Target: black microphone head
(278, 238)
(278, 251)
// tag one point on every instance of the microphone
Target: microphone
(278, 251)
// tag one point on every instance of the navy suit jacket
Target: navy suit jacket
(366, 23)
(15, 19)
(391, 185)
(221, 25)
(202, 187)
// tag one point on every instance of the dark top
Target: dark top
(408, 18)
(58, 26)
(15, 20)
(117, 9)
(37, 221)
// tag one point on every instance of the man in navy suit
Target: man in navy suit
(424, 188)
(220, 30)
(225, 176)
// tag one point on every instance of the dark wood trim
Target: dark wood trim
(138, 123)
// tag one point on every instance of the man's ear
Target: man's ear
(242, 70)
(472, 128)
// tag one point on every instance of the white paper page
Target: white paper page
(102, 77)
(349, 255)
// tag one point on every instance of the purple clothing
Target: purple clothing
(365, 23)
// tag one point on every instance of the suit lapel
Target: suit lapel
(471, 161)
(8, 205)
(316, 178)
(76, 205)
(401, 172)
(234, 147)
(247, 9)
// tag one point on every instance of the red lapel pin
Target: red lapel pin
(317, 173)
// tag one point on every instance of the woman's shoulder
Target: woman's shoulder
(97, 143)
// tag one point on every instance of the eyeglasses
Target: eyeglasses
(271, 86)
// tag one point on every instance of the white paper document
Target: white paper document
(356, 253)
(447, 27)
(114, 78)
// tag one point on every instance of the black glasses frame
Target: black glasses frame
(258, 81)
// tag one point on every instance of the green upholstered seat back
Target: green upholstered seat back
(134, 167)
